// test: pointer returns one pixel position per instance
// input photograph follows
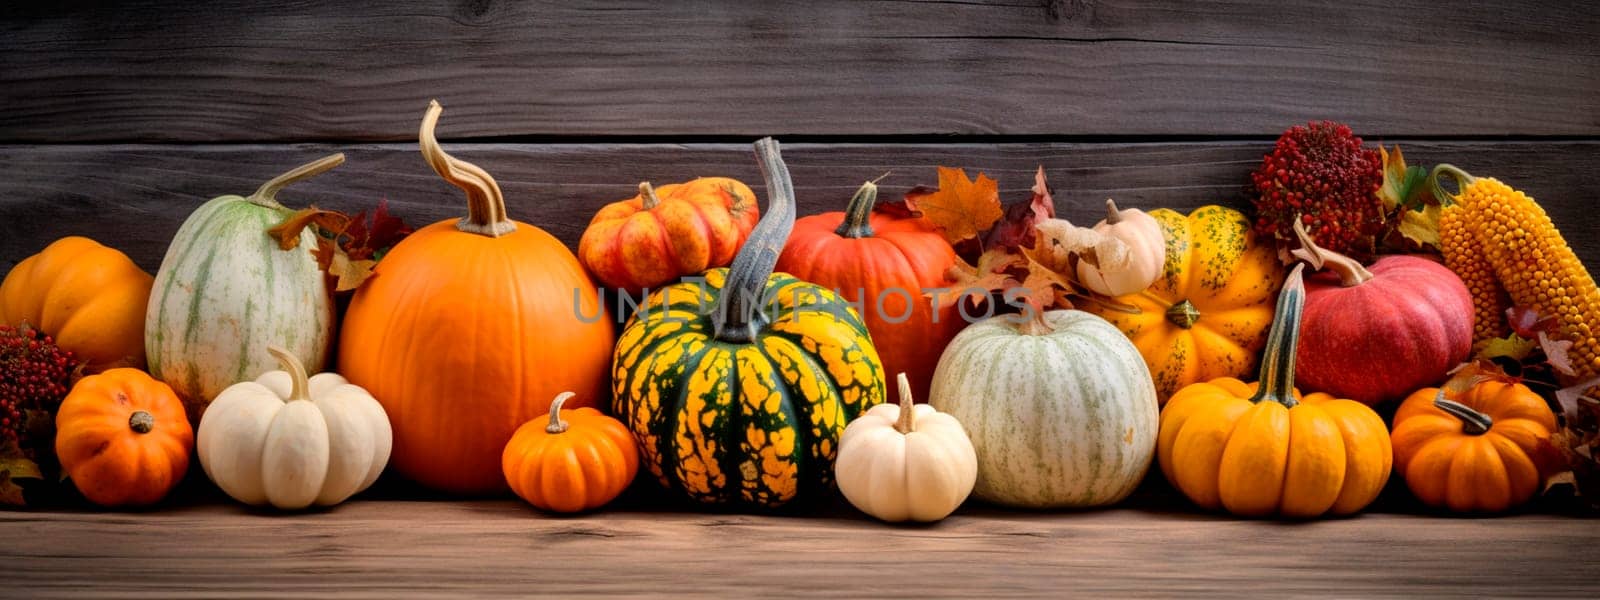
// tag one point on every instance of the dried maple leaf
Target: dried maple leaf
(1513, 346)
(351, 273)
(990, 275)
(12, 469)
(1016, 228)
(1047, 287)
(1420, 226)
(288, 231)
(961, 208)
(1555, 353)
(1062, 238)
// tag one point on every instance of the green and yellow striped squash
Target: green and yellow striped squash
(739, 387)
(1062, 412)
(225, 290)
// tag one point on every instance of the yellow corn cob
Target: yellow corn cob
(1463, 254)
(1534, 264)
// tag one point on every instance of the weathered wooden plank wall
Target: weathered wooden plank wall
(135, 196)
(281, 70)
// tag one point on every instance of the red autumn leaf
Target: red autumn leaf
(1016, 228)
(370, 236)
(1527, 322)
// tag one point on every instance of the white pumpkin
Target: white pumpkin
(906, 462)
(290, 441)
(1136, 265)
(1061, 410)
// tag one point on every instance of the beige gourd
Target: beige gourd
(290, 441)
(906, 462)
(1134, 266)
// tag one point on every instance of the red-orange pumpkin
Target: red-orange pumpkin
(668, 232)
(467, 328)
(881, 263)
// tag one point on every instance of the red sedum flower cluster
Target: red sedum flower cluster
(1320, 174)
(34, 376)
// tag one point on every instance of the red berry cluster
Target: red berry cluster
(1320, 174)
(34, 374)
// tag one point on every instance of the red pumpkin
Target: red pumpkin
(882, 264)
(1379, 334)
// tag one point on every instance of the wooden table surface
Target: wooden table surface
(388, 543)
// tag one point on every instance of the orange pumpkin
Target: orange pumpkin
(90, 298)
(882, 264)
(1263, 449)
(123, 438)
(463, 325)
(1479, 452)
(668, 232)
(1207, 315)
(574, 461)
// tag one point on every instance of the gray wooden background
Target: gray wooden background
(118, 121)
(115, 122)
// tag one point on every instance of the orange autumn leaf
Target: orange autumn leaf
(961, 208)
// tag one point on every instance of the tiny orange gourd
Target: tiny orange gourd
(1478, 452)
(572, 462)
(665, 233)
(123, 437)
(89, 297)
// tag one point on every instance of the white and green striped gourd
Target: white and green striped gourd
(1061, 410)
(226, 290)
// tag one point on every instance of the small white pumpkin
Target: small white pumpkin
(290, 442)
(1137, 264)
(906, 462)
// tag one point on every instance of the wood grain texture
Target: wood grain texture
(134, 197)
(280, 70)
(392, 548)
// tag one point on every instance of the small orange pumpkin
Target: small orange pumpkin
(1479, 452)
(90, 298)
(668, 232)
(570, 464)
(123, 438)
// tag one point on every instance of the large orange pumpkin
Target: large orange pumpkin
(1262, 448)
(90, 298)
(123, 438)
(882, 264)
(1478, 452)
(467, 328)
(668, 232)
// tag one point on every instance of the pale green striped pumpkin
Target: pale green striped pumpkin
(225, 291)
(1061, 418)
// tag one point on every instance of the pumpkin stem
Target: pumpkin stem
(141, 422)
(297, 372)
(486, 206)
(1463, 179)
(1183, 314)
(267, 194)
(1113, 216)
(556, 424)
(908, 421)
(647, 195)
(736, 316)
(1350, 271)
(858, 214)
(1277, 364)
(1472, 421)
